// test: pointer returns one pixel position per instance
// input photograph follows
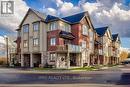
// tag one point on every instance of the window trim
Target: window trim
(52, 56)
(83, 29)
(82, 44)
(34, 43)
(37, 22)
(24, 28)
(51, 41)
(53, 27)
(25, 45)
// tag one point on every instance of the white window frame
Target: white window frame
(25, 43)
(53, 41)
(53, 26)
(84, 30)
(65, 27)
(35, 41)
(84, 44)
(36, 26)
(26, 28)
(52, 56)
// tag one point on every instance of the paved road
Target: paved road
(114, 76)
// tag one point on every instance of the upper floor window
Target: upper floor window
(53, 41)
(26, 28)
(36, 26)
(84, 44)
(91, 36)
(25, 43)
(35, 41)
(53, 26)
(65, 27)
(84, 30)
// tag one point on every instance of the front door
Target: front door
(72, 59)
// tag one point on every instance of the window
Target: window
(53, 41)
(36, 26)
(84, 30)
(26, 28)
(52, 56)
(53, 26)
(91, 36)
(25, 43)
(65, 27)
(35, 42)
(83, 44)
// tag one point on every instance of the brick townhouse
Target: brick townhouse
(65, 42)
(107, 46)
(62, 42)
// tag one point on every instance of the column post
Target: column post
(57, 61)
(68, 60)
(81, 60)
(42, 59)
(31, 60)
(22, 60)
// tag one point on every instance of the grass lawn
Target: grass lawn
(87, 68)
(90, 68)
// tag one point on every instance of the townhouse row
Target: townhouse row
(64, 42)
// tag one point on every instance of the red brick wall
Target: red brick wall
(55, 34)
(77, 32)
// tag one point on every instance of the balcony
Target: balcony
(69, 47)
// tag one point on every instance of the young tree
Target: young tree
(123, 55)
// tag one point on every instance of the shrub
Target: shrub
(2, 60)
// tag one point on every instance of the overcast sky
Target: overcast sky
(115, 13)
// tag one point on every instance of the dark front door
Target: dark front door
(72, 59)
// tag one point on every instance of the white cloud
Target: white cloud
(2, 40)
(59, 3)
(102, 12)
(51, 11)
(12, 22)
(68, 8)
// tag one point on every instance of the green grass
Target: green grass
(47, 69)
(87, 68)
(84, 68)
(90, 68)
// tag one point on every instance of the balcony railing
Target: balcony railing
(69, 47)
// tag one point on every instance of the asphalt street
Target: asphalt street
(113, 76)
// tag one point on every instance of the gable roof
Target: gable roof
(114, 37)
(37, 13)
(76, 18)
(101, 31)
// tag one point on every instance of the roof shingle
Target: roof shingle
(74, 18)
(101, 31)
